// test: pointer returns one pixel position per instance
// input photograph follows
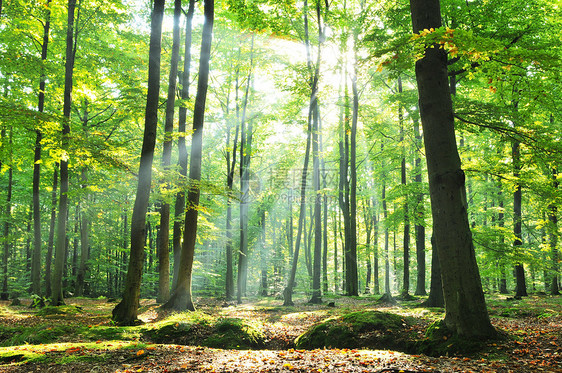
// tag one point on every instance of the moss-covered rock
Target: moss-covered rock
(369, 329)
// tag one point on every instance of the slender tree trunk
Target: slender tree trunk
(245, 157)
(56, 295)
(553, 237)
(386, 239)
(5, 295)
(288, 291)
(406, 236)
(352, 280)
(125, 313)
(85, 221)
(420, 213)
(36, 256)
(521, 287)
(164, 242)
(50, 242)
(465, 308)
(181, 298)
(179, 208)
(376, 269)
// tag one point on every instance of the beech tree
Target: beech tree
(465, 307)
(125, 313)
(181, 298)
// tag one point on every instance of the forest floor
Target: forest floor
(81, 338)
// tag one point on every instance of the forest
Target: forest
(297, 174)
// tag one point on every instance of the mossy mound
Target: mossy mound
(235, 334)
(226, 333)
(364, 329)
(50, 311)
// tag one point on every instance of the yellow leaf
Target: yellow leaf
(140, 352)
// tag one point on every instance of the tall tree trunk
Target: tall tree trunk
(36, 256)
(419, 216)
(5, 295)
(179, 208)
(164, 242)
(376, 269)
(553, 236)
(56, 295)
(85, 221)
(50, 242)
(387, 292)
(352, 281)
(465, 308)
(521, 287)
(181, 298)
(406, 236)
(245, 157)
(288, 291)
(125, 313)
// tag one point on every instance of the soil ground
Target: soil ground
(533, 326)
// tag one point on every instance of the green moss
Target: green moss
(40, 334)
(169, 332)
(58, 311)
(238, 334)
(440, 341)
(373, 329)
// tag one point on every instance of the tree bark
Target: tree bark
(521, 287)
(50, 242)
(181, 298)
(245, 157)
(85, 221)
(420, 216)
(465, 308)
(406, 236)
(56, 295)
(179, 208)
(125, 313)
(5, 295)
(164, 242)
(36, 256)
(553, 236)
(435, 298)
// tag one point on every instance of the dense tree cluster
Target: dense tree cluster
(318, 147)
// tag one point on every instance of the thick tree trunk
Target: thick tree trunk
(125, 313)
(36, 256)
(57, 296)
(181, 298)
(465, 308)
(164, 242)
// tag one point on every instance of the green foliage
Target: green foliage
(40, 334)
